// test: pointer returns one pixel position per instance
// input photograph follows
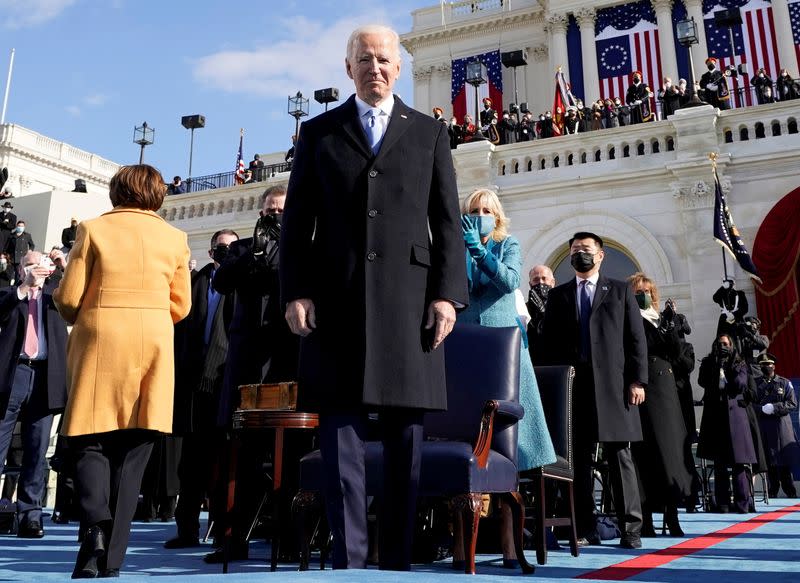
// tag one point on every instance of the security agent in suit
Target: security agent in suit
(201, 349)
(8, 221)
(19, 243)
(541, 280)
(33, 384)
(372, 268)
(593, 323)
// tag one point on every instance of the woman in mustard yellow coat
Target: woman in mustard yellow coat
(126, 284)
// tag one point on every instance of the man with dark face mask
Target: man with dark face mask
(593, 323)
(541, 281)
(775, 405)
(201, 345)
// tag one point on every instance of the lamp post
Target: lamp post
(326, 96)
(298, 107)
(687, 36)
(476, 76)
(192, 122)
(144, 136)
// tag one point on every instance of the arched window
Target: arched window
(744, 134)
(728, 136)
(759, 130)
(776, 128)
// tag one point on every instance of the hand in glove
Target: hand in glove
(712, 86)
(260, 237)
(472, 238)
(768, 409)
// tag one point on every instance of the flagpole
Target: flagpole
(8, 87)
(713, 157)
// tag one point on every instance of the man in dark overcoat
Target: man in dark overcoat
(714, 86)
(593, 323)
(776, 403)
(33, 380)
(372, 270)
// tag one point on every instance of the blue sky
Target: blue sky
(87, 71)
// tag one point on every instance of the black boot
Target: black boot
(92, 549)
(671, 518)
(648, 531)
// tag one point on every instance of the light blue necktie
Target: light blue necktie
(373, 129)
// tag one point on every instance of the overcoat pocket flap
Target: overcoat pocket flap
(421, 255)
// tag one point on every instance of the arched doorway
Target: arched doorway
(617, 263)
(776, 251)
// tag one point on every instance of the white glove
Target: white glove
(637, 102)
(712, 86)
(768, 409)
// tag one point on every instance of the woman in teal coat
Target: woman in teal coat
(493, 273)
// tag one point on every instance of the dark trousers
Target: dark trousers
(342, 447)
(742, 497)
(108, 475)
(27, 402)
(781, 477)
(198, 461)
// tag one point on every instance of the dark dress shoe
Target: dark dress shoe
(510, 564)
(60, 518)
(630, 541)
(109, 573)
(92, 549)
(237, 553)
(181, 542)
(590, 540)
(31, 529)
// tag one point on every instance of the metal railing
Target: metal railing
(228, 179)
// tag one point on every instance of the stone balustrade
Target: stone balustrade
(463, 12)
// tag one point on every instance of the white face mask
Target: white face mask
(20, 229)
(3, 262)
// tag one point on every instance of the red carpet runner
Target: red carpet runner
(632, 567)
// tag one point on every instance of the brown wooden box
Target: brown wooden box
(276, 396)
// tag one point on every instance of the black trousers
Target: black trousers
(342, 438)
(781, 477)
(108, 475)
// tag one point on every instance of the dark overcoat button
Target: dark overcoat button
(373, 173)
(371, 256)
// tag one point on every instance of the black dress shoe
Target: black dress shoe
(31, 529)
(60, 518)
(181, 542)
(590, 540)
(237, 553)
(109, 573)
(92, 549)
(630, 541)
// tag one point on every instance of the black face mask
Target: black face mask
(582, 261)
(725, 352)
(541, 290)
(712, 67)
(767, 371)
(219, 253)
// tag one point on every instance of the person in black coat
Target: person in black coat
(8, 222)
(669, 97)
(638, 99)
(597, 328)
(201, 349)
(68, 235)
(18, 244)
(541, 280)
(733, 307)
(762, 84)
(33, 387)
(775, 403)
(725, 432)
(8, 274)
(786, 88)
(664, 467)
(372, 269)
(714, 86)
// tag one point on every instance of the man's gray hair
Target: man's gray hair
(277, 190)
(352, 42)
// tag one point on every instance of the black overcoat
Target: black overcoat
(372, 239)
(777, 432)
(619, 350)
(13, 319)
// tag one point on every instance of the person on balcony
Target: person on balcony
(177, 186)
(762, 84)
(786, 87)
(256, 167)
(468, 130)
(638, 97)
(487, 115)
(623, 112)
(455, 132)
(509, 128)
(714, 84)
(669, 97)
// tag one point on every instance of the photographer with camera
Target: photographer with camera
(726, 435)
(751, 342)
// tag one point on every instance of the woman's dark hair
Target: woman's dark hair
(140, 186)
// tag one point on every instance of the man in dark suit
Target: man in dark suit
(541, 280)
(372, 270)
(200, 350)
(68, 235)
(593, 323)
(8, 221)
(33, 384)
(19, 243)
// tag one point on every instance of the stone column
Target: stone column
(694, 9)
(666, 41)
(591, 80)
(783, 32)
(422, 82)
(557, 27)
(440, 89)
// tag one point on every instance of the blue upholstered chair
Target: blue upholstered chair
(470, 449)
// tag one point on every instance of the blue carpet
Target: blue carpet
(768, 553)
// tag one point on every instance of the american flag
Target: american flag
(726, 233)
(239, 176)
(462, 95)
(754, 42)
(794, 16)
(562, 99)
(626, 39)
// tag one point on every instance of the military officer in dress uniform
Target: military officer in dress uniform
(775, 405)
(488, 114)
(714, 84)
(638, 98)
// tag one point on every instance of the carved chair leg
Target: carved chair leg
(573, 539)
(541, 509)
(469, 506)
(302, 509)
(517, 506)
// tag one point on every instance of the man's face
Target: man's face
(768, 370)
(541, 274)
(223, 240)
(273, 205)
(588, 246)
(374, 67)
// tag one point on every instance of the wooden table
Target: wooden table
(260, 419)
